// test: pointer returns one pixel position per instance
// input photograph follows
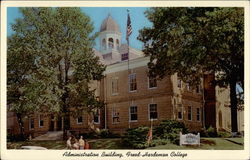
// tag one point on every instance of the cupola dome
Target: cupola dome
(109, 24)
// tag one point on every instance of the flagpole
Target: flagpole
(127, 37)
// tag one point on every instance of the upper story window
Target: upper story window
(124, 56)
(153, 111)
(198, 89)
(97, 116)
(111, 43)
(114, 86)
(117, 44)
(40, 117)
(188, 86)
(132, 82)
(152, 82)
(133, 113)
(79, 120)
(189, 113)
(179, 83)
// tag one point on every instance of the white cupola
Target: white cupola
(110, 36)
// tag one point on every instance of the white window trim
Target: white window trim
(114, 107)
(79, 122)
(149, 112)
(191, 114)
(129, 83)
(98, 118)
(30, 124)
(149, 84)
(39, 119)
(181, 112)
(130, 115)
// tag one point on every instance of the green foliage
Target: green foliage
(50, 62)
(224, 134)
(169, 130)
(195, 40)
(136, 137)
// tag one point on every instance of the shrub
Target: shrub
(224, 134)
(169, 129)
(105, 133)
(136, 138)
(211, 132)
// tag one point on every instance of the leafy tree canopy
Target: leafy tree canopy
(190, 41)
(51, 61)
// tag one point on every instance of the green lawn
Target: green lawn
(115, 143)
(209, 144)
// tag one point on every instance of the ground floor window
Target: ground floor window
(79, 120)
(115, 115)
(179, 111)
(133, 113)
(153, 111)
(32, 124)
(198, 114)
(189, 113)
(40, 120)
(97, 116)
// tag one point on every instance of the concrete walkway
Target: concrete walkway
(51, 135)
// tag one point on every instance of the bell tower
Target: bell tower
(110, 36)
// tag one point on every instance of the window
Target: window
(114, 85)
(198, 114)
(117, 44)
(179, 83)
(153, 111)
(152, 82)
(103, 44)
(179, 113)
(188, 86)
(132, 82)
(111, 43)
(198, 89)
(97, 116)
(32, 125)
(133, 113)
(115, 115)
(79, 120)
(189, 113)
(124, 56)
(40, 117)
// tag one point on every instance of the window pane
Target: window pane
(189, 113)
(133, 113)
(132, 82)
(153, 111)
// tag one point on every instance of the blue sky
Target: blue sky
(98, 14)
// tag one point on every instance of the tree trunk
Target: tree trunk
(233, 101)
(20, 123)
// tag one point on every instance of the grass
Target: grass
(208, 144)
(115, 143)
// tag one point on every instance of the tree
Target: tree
(191, 41)
(51, 63)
